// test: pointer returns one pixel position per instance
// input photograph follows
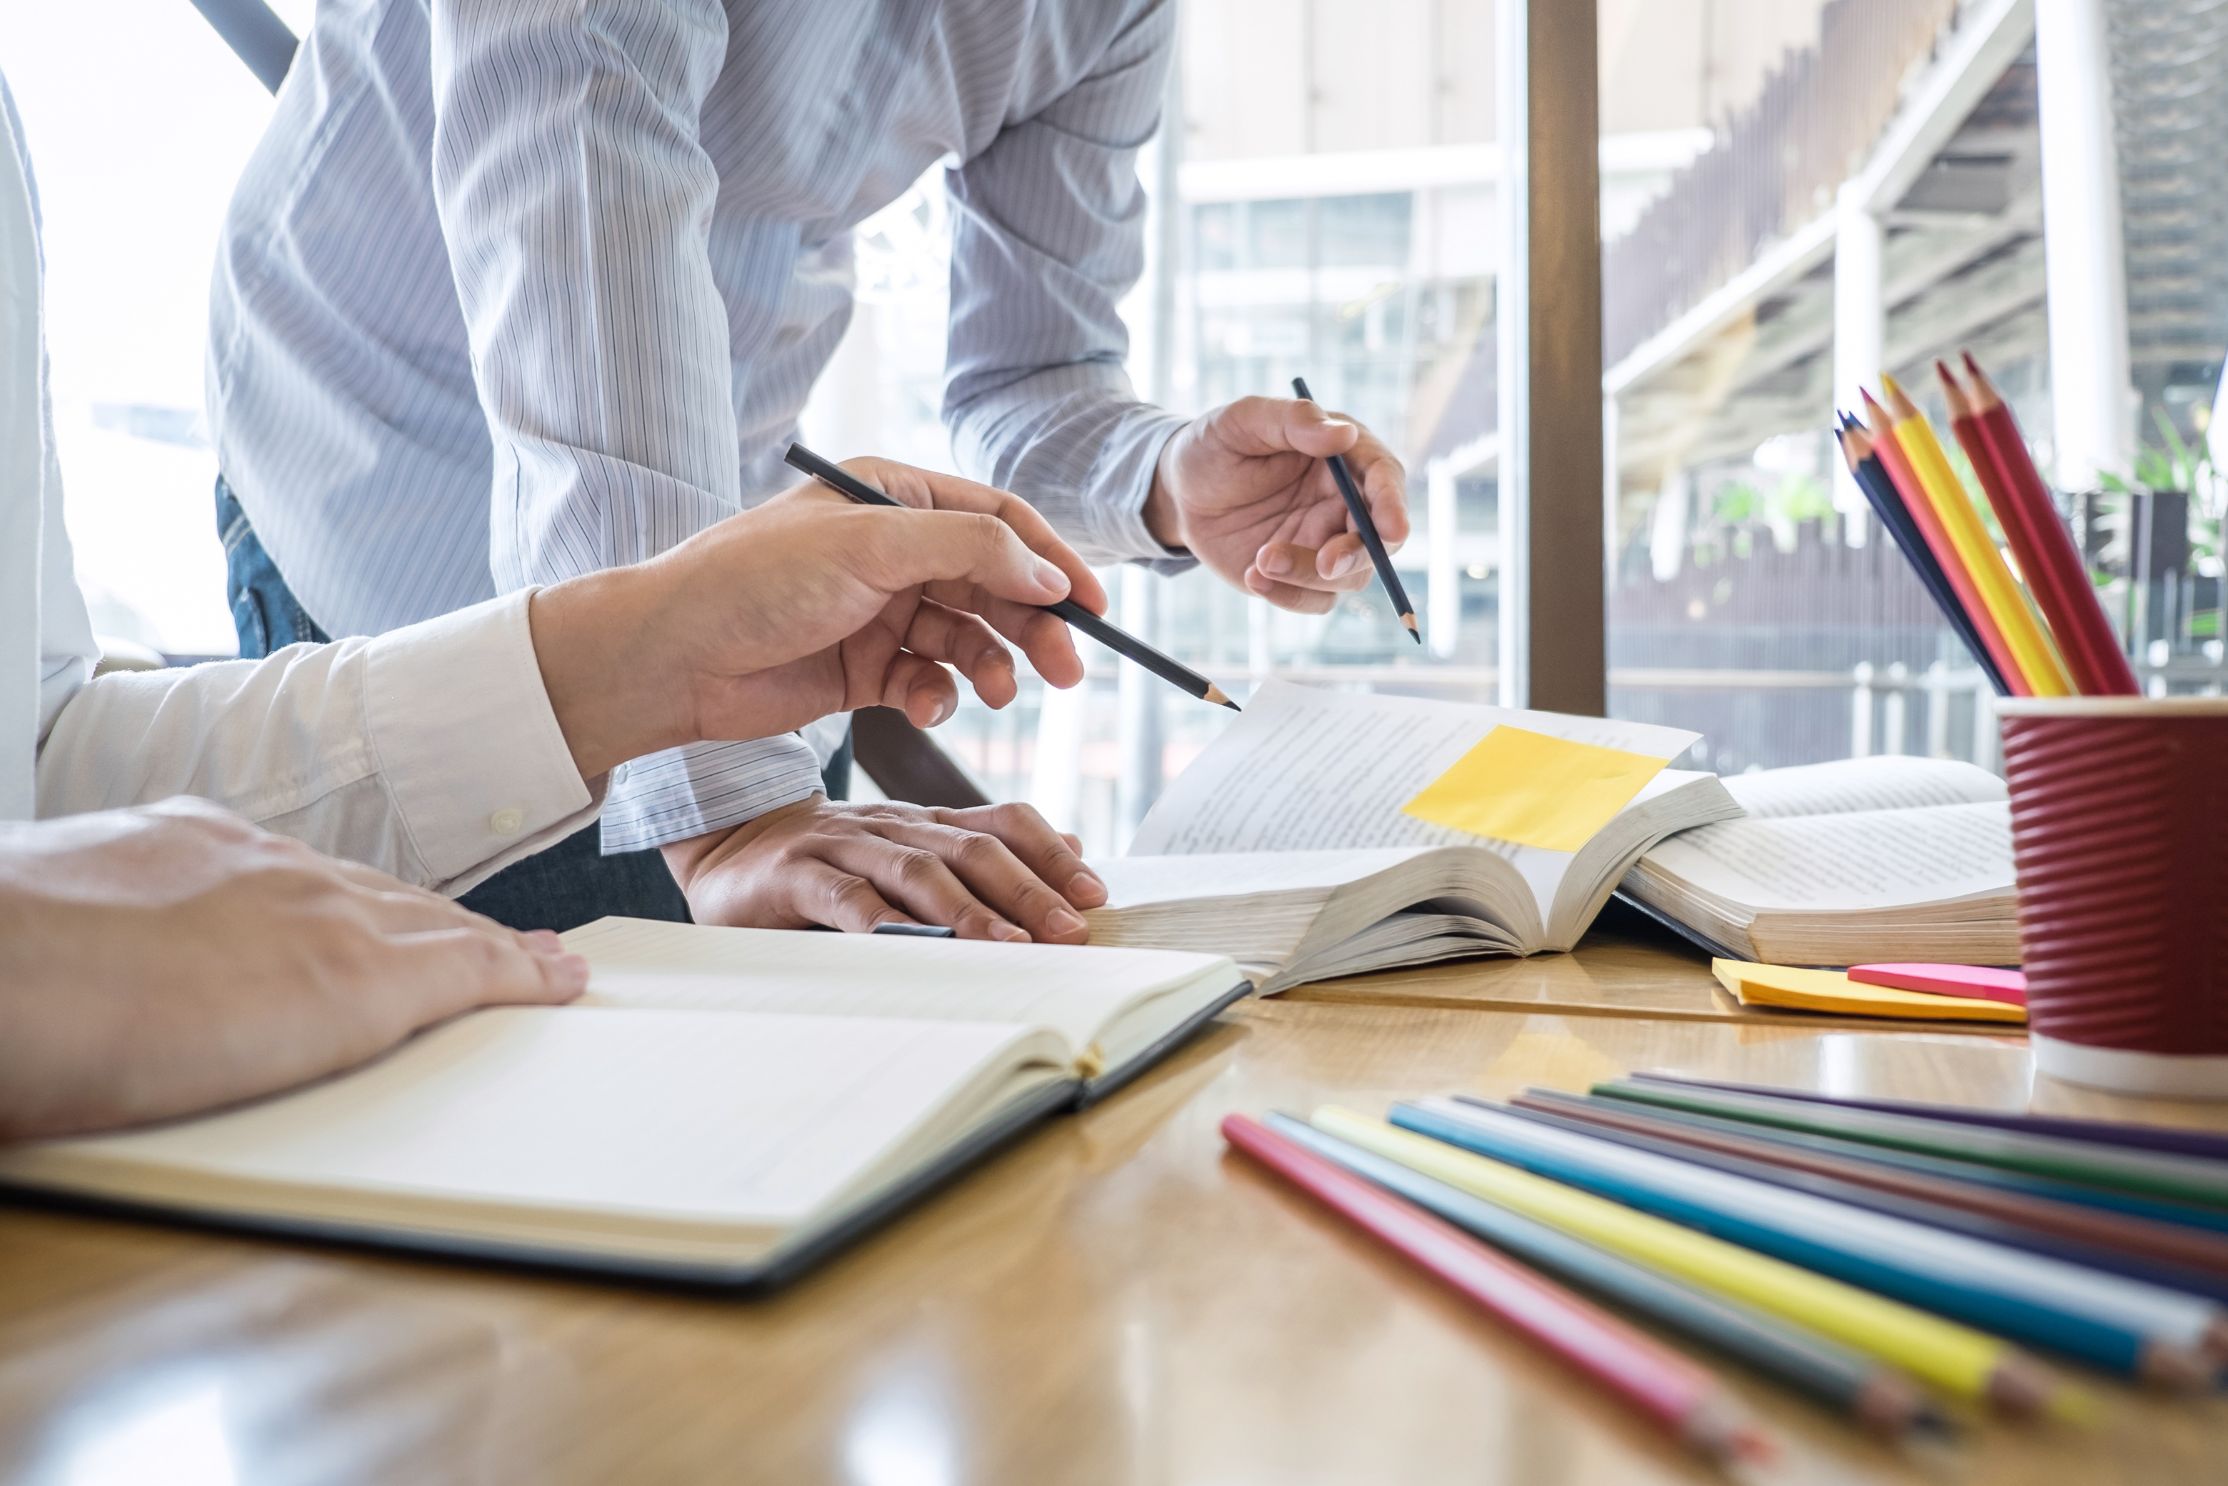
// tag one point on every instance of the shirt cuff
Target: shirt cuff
(466, 741)
(1122, 480)
(705, 787)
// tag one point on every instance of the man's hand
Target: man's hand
(810, 605)
(159, 961)
(1000, 872)
(1246, 489)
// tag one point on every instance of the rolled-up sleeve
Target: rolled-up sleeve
(430, 753)
(1047, 236)
(575, 200)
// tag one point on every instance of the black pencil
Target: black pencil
(1880, 493)
(1121, 642)
(1367, 529)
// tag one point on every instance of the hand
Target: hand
(810, 605)
(173, 958)
(1246, 489)
(998, 872)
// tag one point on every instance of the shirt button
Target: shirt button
(619, 775)
(505, 822)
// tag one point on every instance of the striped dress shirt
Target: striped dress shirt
(511, 291)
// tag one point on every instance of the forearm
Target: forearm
(432, 752)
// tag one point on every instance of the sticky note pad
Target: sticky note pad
(1794, 989)
(1534, 790)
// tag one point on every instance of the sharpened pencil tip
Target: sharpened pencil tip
(1220, 698)
(1409, 619)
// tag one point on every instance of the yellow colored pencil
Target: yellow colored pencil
(2007, 604)
(1957, 1359)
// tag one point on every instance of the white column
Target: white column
(1443, 562)
(1860, 325)
(2092, 398)
(1513, 347)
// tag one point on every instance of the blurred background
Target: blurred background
(1795, 194)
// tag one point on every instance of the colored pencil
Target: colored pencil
(2164, 1242)
(2074, 1234)
(2053, 567)
(2107, 1320)
(1929, 525)
(1999, 590)
(2168, 1140)
(1957, 1359)
(1682, 1399)
(1120, 641)
(2147, 1173)
(2203, 1220)
(1365, 527)
(1851, 1382)
(1880, 493)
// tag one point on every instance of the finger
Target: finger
(904, 549)
(1289, 595)
(917, 879)
(1047, 853)
(452, 970)
(930, 490)
(823, 893)
(920, 688)
(1275, 425)
(1044, 638)
(966, 643)
(1383, 482)
(1313, 567)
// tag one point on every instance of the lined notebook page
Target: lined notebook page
(646, 964)
(1869, 859)
(750, 1120)
(1311, 770)
(1887, 782)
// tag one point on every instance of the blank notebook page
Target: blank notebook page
(639, 962)
(753, 1120)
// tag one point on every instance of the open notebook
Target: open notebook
(1284, 846)
(723, 1105)
(1840, 864)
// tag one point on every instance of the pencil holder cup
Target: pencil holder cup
(2119, 826)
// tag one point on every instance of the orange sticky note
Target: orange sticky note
(1534, 790)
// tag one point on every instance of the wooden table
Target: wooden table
(1117, 1300)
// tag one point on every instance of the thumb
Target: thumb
(1313, 431)
(917, 547)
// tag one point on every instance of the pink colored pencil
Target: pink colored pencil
(1684, 1400)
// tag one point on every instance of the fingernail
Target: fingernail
(1336, 424)
(1063, 921)
(544, 941)
(1050, 576)
(1277, 564)
(1011, 933)
(1346, 565)
(570, 972)
(1086, 885)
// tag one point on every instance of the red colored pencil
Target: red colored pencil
(1682, 1399)
(2039, 539)
(1881, 430)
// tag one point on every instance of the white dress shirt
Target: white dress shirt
(510, 290)
(430, 753)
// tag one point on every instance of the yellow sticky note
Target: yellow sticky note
(1534, 790)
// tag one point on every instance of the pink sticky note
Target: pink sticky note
(1978, 981)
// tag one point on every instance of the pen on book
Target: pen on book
(1366, 527)
(1120, 641)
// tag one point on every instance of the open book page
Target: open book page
(745, 1120)
(1135, 881)
(1863, 860)
(1888, 782)
(1310, 770)
(643, 963)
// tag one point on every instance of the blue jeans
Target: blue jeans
(570, 883)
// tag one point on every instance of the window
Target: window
(137, 131)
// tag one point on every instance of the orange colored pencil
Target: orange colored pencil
(2053, 568)
(1881, 429)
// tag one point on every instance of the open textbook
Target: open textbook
(1839, 864)
(723, 1104)
(1284, 846)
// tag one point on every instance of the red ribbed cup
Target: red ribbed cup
(2119, 824)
